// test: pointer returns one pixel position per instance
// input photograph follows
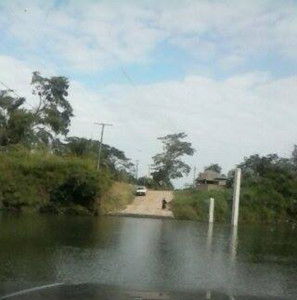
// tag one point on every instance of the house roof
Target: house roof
(211, 175)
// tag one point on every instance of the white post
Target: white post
(211, 210)
(236, 194)
(233, 244)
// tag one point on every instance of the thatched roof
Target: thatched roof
(210, 175)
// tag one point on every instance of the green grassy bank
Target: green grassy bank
(49, 183)
(257, 205)
(192, 204)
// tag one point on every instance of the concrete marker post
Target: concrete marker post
(236, 195)
(211, 210)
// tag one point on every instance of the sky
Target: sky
(223, 72)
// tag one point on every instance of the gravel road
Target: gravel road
(149, 205)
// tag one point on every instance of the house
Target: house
(211, 180)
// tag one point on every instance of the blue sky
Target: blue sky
(222, 71)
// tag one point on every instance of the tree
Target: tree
(54, 112)
(113, 159)
(269, 186)
(168, 165)
(41, 125)
(257, 166)
(16, 123)
(214, 167)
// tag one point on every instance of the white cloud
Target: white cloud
(225, 119)
(90, 35)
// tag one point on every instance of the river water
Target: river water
(147, 254)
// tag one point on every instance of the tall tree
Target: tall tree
(168, 165)
(54, 112)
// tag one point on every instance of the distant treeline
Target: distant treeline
(268, 193)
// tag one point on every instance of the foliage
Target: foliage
(53, 113)
(268, 193)
(79, 188)
(39, 166)
(269, 188)
(168, 165)
(38, 125)
(46, 181)
(192, 204)
(16, 123)
(117, 197)
(112, 158)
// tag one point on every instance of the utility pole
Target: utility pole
(194, 176)
(101, 141)
(149, 170)
(236, 195)
(136, 169)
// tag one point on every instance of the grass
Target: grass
(50, 183)
(117, 197)
(193, 205)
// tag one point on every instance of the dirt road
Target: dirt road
(149, 205)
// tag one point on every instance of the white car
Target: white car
(141, 191)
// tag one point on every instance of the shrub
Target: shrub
(194, 205)
(117, 197)
(43, 180)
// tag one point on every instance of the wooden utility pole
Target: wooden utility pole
(101, 141)
(149, 171)
(194, 176)
(136, 169)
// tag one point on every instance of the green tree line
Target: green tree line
(268, 192)
(40, 165)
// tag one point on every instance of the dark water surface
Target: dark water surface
(147, 254)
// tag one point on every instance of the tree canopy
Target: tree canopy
(54, 112)
(168, 164)
(16, 123)
(42, 124)
(47, 125)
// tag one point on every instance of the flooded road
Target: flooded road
(147, 254)
(149, 205)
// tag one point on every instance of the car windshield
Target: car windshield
(149, 145)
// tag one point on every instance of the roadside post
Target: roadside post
(211, 210)
(236, 195)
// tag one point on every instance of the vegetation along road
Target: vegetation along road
(149, 205)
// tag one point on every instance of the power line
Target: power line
(101, 141)
(10, 90)
(14, 92)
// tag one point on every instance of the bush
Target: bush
(79, 188)
(48, 182)
(118, 197)
(192, 204)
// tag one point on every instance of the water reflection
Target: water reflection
(209, 236)
(147, 254)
